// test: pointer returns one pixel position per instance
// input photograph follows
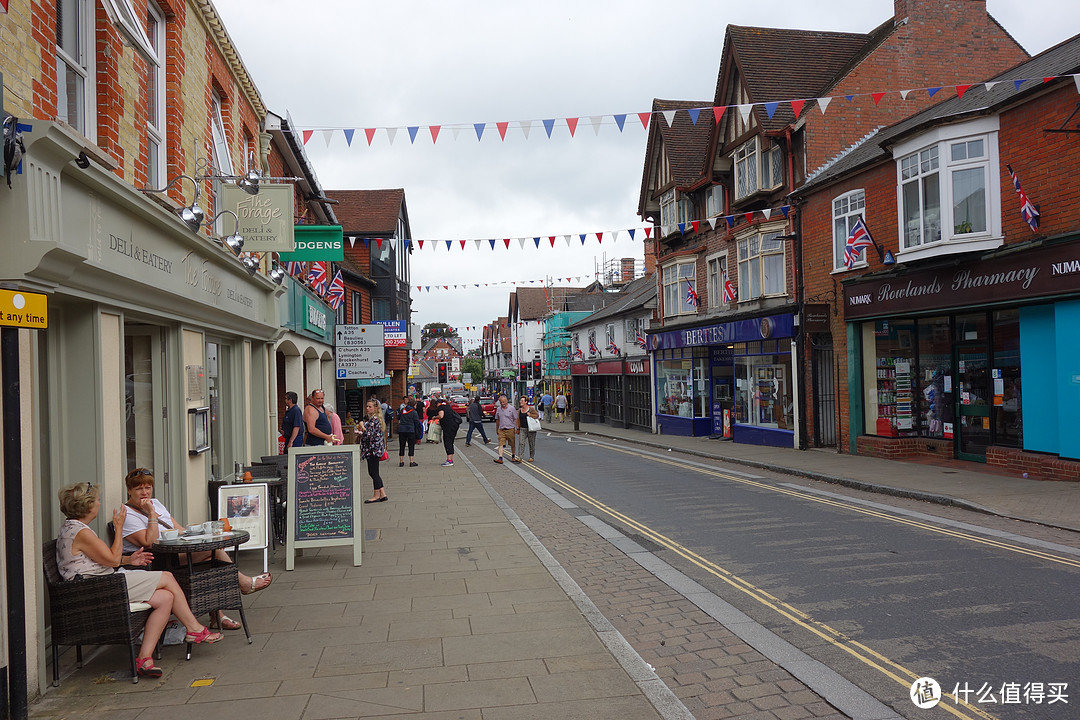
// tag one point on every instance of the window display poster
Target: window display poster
(247, 508)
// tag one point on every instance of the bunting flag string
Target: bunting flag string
(544, 282)
(573, 239)
(570, 124)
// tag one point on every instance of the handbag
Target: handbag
(534, 424)
(385, 455)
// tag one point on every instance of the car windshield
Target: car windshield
(487, 400)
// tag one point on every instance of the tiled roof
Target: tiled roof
(685, 143)
(369, 212)
(764, 58)
(634, 296)
(531, 303)
(1062, 59)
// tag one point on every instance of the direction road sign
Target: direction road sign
(359, 351)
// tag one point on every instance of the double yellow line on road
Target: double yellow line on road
(869, 657)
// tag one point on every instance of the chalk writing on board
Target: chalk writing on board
(324, 504)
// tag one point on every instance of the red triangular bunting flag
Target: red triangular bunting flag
(420, 243)
(749, 216)
(378, 243)
(961, 89)
(877, 97)
(796, 107)
(506, 241)
(463, 244)
(694, 224)
(600, 237)
(648, 231)
(502, 129)
(434, 132)
(644, 118)
(551, 239)
(718, 112)
(307, 135)
(572, 124)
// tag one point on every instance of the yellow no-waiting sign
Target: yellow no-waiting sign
(23, 309)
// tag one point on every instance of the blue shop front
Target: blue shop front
(743, 367)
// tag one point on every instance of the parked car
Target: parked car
(487, 405)
(460, 404)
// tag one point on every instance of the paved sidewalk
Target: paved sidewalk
(963, 484)
(451, 615)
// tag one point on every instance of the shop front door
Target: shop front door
(973, 402)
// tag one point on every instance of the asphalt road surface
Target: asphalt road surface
(874, 587)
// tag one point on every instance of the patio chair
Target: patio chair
(90, 611)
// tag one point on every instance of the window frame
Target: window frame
(849, 215)
(714, 280)
(674, 290)
(942, 140)
(668, 208)
(746, 283)
(222, 159)
(714, 201)
(82, 66)
(750, 152)
(155, 116)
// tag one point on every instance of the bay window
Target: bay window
(761, 266)
(746, 169)
(677, 280)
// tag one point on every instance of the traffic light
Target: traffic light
(523, 371)
(536, 369)
(442, 373)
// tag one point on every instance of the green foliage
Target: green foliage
(437, 330)
(475, 366)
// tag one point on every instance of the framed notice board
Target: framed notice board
(247, 507)
(324, 499)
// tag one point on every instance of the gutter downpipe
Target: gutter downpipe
(800, 337)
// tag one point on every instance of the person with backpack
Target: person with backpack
(409, 429)
(449, 421)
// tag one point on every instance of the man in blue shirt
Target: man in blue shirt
(292, 425)
(546, 402)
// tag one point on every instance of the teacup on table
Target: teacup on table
(170, 534)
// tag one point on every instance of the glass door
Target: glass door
(144, 399)
(973, 401)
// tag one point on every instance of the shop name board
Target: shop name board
(1034, 273)
(264, 220)
(748, 330)
(316, 318)
(393, 332)
(316, 242)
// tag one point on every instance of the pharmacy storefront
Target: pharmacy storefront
(743, 366)
(976, 360)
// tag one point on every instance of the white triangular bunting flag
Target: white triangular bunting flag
(990, 85)
(767, 212)
(479, 243)
(595, 120)
(390, 133)
(823, 103)
(904, 94)
(1076, 80)
(669, 116)
(455, 131)
(526, 126)
(352, 241)
(434, 245)
(327, 135)
(712, 223)
(567, 239)
(744, 111)
(521, 242)
(614, 235)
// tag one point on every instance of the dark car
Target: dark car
(487, 405)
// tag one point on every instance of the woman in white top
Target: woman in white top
(148, 517)
(79, 551)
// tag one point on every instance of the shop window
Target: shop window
(682, 385)
(846, 210)
(761, 266)
(1008, 407)
(763, 391)
(934, 383)
(677, 281)
(890, 410)
(949, 197)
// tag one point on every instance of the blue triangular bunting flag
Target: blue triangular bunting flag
(770, 108)
(479, 128)
(413, 129)
(631, 231)
(549, 125)
(693, 113)
(933, 91)
(620, 120)
(348, 136)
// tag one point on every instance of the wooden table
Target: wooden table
(209, 585)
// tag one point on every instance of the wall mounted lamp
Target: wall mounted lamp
(234, 242)
(276, 274)
(192, 215)
(249, 182)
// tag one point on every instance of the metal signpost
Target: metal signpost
(359, 352)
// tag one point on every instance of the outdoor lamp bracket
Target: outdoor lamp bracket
(192, 215)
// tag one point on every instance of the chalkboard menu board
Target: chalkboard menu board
(324, 500)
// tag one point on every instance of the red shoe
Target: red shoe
(206, 636)
(145, 667)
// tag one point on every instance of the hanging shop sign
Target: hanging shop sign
(316, 242)
(1039, 272)
(265, 220)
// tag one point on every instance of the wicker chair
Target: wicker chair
(90, 611)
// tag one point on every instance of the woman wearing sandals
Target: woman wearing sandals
(148, 518)
(373, 446)
(79, 551)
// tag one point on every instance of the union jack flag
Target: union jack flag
(317, 277)
(641, 341)
(593, 350)
(729, 290)
(1029, 211)
(578, 355)
(336, 294)
(858, 240)
(691, 294)
(294, 268)
(612, 347)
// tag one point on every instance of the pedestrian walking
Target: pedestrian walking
(545, 408)
(475, 416)
(528, 425)
(434, 432)
(450, 422)
(506, 425)
(561, 403)
(373, 447)
(407, 431)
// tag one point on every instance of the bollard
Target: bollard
(577, 419)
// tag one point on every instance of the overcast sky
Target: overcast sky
(359, 64)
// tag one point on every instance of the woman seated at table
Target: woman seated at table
(79, 551)
(149, 518)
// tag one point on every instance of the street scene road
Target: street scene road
(878, 590)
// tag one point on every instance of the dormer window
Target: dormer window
(757, 169)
